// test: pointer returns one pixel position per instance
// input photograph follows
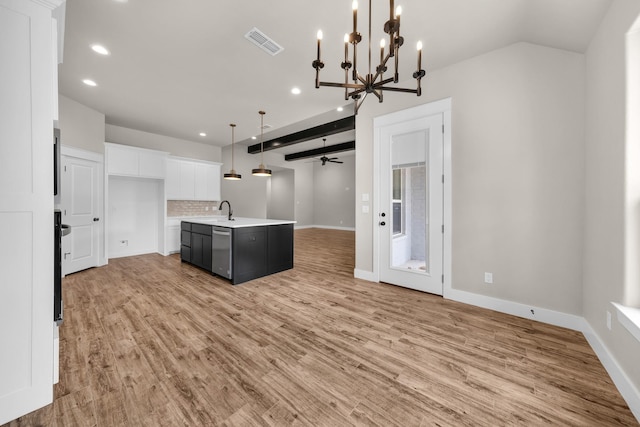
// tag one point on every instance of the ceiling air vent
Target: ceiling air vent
(265, 43)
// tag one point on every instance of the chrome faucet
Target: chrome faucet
(230, 211)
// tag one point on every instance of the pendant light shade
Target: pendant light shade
(232, 175)
(261, 170)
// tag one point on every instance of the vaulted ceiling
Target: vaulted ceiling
(181, 68)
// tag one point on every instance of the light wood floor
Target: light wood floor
(148, 340)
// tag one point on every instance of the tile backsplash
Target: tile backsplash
(191, 208)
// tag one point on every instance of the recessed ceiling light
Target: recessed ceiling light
(253, 137)
(89, 82)
(203, 134)
(121, 1)
(295, 91)
(100, 49)
(340, 108)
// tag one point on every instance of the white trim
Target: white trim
(630, 318)
(443, 107)
(49, 4)
(540, 314)
(136, 253)
(190, 159)
(326, 227)
(65, 150)
(98, 158)
(447, 202)
(369, 276)
(623, 383)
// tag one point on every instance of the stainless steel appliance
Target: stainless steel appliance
(221, 251)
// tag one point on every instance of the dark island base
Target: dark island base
(255, 251)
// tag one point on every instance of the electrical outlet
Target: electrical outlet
(488, 277)
(608, 320)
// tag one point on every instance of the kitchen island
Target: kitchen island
(241, 249)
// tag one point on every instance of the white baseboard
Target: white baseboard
(328, 227)
(544, 315)
(626, 388)
(364, 275)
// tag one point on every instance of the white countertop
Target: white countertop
(239, 222)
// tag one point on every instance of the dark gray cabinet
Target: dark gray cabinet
(185, 241)
(255, 251)
(249, 254)
(279, 248)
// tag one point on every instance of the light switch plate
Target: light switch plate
(365, 197)
(365, 208)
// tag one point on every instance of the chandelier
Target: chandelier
(371, 83)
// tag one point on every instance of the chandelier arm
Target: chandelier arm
(378, 94)
(381, 83)
(357, 92)
(397, 89)
(345, 85)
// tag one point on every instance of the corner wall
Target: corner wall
(518, 173)
(80, 126)
(604, 227)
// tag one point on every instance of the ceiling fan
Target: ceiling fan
(325, 159)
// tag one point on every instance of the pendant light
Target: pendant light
(232, 175)
(261, 170)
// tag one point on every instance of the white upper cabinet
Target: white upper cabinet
(187, 181)
(132, 161)
(152, 164)
(172, 179)
(192, 180)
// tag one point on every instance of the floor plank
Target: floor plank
(148, 340)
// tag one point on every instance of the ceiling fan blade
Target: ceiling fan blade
(335, 161)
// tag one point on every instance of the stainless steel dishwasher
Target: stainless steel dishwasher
(221, 251)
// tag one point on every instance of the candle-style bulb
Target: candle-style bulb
(346, 38)
(398, 11)
(354, 5)
(419, 45)
(319, 34)
(382, 43)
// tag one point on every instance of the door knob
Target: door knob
(383, 214)
(382, 224)
(96, 219)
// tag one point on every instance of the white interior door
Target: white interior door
(410, 221)
(80, 210)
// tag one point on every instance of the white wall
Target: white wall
(249, 195)
(604, 228)
(334, 192)
(518, 173)
(135, 213)
(281, 195)
(80, 126)
(174, 146)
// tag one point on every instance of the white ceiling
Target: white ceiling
(178, 68)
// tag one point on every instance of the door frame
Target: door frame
(443, 107)
(99, 159)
